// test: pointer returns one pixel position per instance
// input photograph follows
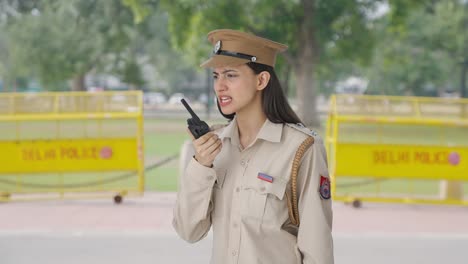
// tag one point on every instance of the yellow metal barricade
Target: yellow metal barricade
(398, 149)
(71, 145)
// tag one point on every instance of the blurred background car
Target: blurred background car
(175, 98)
(154, 98)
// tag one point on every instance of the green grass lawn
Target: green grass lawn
(164, 137)
(162, 179)
(403, 134)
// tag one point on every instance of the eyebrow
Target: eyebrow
(225, 71)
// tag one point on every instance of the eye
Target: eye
(231, 75)
(215, 77)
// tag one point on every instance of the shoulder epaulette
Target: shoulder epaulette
(303, 129)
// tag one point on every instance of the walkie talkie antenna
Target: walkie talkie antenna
(196, 126)
(189, 109)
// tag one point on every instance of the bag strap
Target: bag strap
(292, 201)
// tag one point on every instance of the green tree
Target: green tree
(61, 40)
(5, 64)
(422, 55)
(171, 66)
(317, 32)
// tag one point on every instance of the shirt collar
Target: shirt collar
(271, 131)
(231, 132)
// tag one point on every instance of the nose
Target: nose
(220, 85)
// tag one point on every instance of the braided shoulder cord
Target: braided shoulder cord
(292, 203)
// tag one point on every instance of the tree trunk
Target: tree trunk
(285, 83)
(14, 85)
(308, 55)
(463, 79)
(78, 83)
(464, 68)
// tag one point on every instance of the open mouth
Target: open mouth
(224, 100)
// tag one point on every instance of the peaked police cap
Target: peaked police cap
(233, 48)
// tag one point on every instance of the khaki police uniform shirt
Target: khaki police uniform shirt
(249, 216)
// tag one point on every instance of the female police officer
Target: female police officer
(239, 179)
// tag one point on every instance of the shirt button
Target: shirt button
(234, 252)
(237, 189)
(209, 178)
(235, 225)
(242, 163)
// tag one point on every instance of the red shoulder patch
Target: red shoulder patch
(324, 189)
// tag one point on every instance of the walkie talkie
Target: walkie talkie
(196, 126)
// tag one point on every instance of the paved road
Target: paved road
(139, 231)
(141, 248)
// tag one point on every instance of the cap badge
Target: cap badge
(217, 47)
(253, 59)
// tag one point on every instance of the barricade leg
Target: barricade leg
(451, 190)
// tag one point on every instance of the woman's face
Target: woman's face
(237, 88)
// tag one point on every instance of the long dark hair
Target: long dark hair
(274, 103)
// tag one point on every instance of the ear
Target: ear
(262, 80)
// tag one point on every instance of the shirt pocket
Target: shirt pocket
(264, 200)
(220, 176)
(218, 194)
